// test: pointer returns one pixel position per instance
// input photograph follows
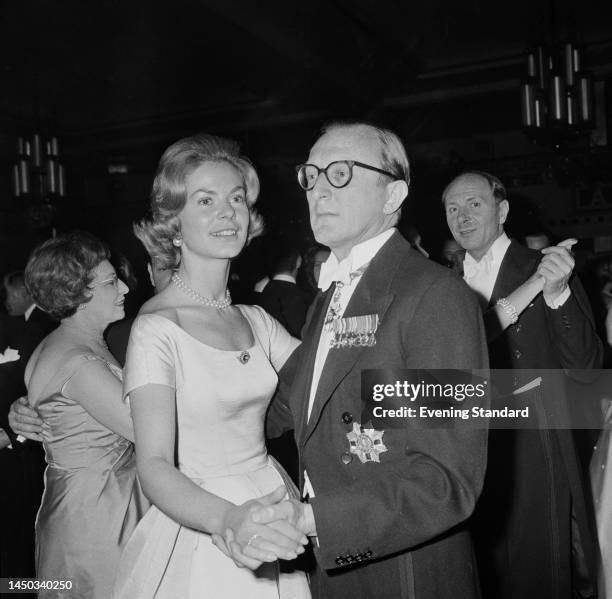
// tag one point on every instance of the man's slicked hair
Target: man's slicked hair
(497, 187)
(392, 152)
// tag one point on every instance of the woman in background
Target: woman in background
(92, 500)
(601, 482)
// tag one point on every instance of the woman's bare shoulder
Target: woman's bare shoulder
(161, 304)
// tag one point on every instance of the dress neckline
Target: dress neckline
(207, 345)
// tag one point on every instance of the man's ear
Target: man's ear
(397, 192)
(503, 209)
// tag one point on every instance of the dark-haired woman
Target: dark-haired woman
(92, 500)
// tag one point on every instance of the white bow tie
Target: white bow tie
(341, 273)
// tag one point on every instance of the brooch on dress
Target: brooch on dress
(354, 331)
(244, 357)
(366, 443)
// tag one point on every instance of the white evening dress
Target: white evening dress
(601, 483)
(221, 403)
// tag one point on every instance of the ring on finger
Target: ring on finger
(253, 537)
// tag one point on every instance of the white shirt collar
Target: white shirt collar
(284, 277)
(359, 256)
(28, 312)
(494, 255)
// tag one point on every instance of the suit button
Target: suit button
(359, 557)
(517, 327)
(517, 353)
(368, 554)
(350, 559)
(346, 458)
(340, 561)
(347, 418)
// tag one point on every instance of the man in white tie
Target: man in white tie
(386, 507)
(534, 485)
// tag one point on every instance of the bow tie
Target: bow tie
(471, 268)
(340, 273)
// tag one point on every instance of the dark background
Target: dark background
(117, 81)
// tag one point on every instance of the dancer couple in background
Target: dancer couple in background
(200, 374)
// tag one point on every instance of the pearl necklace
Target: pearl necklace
(226, 302)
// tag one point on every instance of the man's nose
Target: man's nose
(321, 189)
(463, 215)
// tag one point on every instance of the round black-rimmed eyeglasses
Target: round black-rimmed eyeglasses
(339, 173)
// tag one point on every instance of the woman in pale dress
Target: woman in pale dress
(601, 482)
(92, 500)
(199, 375)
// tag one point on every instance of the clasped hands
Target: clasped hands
(265, 529)
(556, 268)
(260, 530)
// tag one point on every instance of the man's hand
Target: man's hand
(556, 268)
(299, 515)
(250, 543)
(25, 421)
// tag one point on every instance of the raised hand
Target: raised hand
(556, 268)
(25, 421)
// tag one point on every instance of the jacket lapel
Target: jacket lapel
(300, 388)
(370, 297)
(512, 272)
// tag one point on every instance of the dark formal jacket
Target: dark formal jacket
(394, 528)
(117, 337)
(287, 302)
(21, 468)
(24, 336)
(536, 501)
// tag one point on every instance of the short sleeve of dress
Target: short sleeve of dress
(272, 335)
(150, 356)
(73, 361)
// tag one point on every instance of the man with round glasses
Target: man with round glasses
(385, 507)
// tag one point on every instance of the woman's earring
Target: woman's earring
(177, 242)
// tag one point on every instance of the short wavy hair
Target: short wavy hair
(169, 192)
(60, 270)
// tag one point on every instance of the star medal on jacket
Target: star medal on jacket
(366, 443)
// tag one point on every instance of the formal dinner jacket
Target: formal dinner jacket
(394, 528)
(543, 337)
(24, 336)
(534, 518)
(21, 468)
(287, 302)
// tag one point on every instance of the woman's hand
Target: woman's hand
(292, 511)
(250, 543)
